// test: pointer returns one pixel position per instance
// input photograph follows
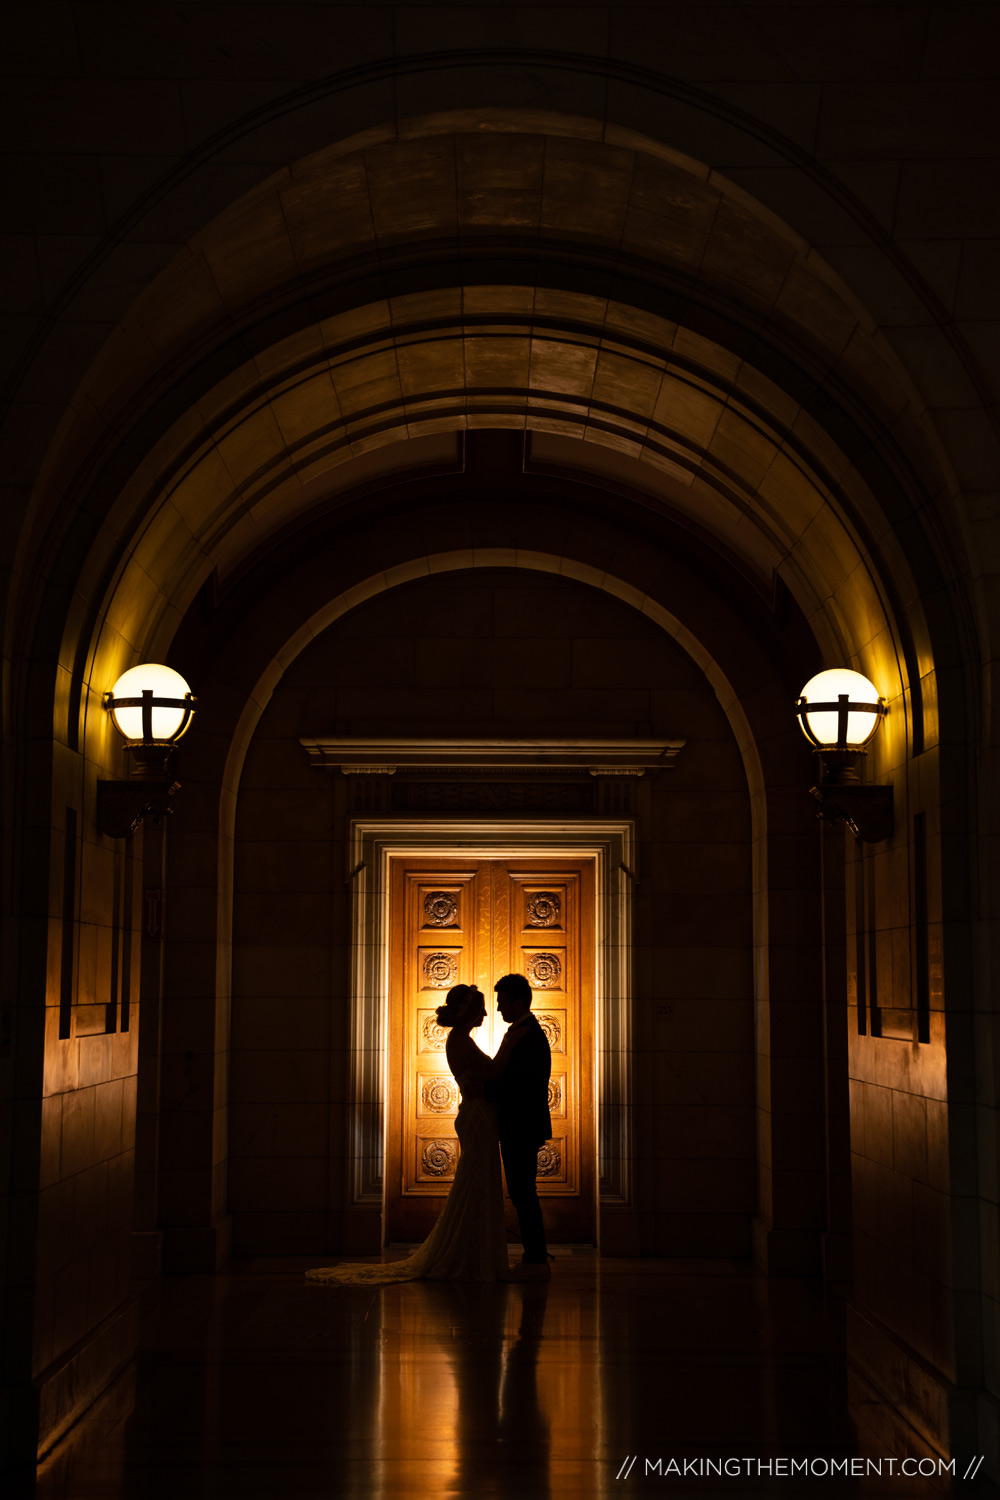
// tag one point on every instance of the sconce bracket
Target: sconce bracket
(122, 805)
(867, 810)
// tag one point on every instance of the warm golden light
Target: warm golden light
(839, 710)
(151, 703)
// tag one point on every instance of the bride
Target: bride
(469, 1240)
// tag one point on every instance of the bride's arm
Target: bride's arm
(465, 1057)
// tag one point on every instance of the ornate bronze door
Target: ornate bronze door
(469, 921)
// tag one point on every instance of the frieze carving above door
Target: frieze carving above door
(357, 757)
(493, 796)
(492, 776)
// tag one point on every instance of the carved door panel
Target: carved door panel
(469, 921)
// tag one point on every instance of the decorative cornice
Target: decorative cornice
(383, 757)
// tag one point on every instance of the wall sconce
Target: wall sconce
(151, 707)
(839, 712)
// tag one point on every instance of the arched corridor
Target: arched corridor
(496, 468)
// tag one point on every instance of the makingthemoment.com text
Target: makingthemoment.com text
(795, 1468)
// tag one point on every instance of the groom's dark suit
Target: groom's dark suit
(521, 1095)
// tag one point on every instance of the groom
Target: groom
(521, 1095)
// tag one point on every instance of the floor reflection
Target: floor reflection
(529, 1402)
(258, 1386)
(472, 1396)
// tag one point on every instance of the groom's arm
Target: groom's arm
(501, 1071)
(495, 1089)
(503, 1086)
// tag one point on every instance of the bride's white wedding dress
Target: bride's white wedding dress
(469, 1240)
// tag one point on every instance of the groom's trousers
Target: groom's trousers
(520, 1165)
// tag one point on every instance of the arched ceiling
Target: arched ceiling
(709, 437)
(639, 318)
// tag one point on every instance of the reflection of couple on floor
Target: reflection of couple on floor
(505, 1101)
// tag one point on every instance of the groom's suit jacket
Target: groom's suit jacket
(521, 1093)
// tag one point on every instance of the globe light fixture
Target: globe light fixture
(839, 711)
(151, 706)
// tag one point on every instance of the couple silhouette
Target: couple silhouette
(504, 1104)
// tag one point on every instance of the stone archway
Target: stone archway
(713, 412)
(760, 416)
(191, 874)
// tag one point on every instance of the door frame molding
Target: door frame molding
(373, 844)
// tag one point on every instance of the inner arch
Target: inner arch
(490, 557)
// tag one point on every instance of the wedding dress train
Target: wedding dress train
(469, 1240)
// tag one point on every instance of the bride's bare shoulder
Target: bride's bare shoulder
(463, 1055)
(458, 1048)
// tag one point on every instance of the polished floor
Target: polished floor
(255, 1385)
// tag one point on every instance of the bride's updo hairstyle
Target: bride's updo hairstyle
(458, 1001)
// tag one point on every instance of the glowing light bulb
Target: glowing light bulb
(164, 717)
(839, 710)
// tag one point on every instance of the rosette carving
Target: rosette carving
(543, 909)
(440, 971)
(440, 909)
(438, 1158)
(438, 1095)
(549, 1160)
(434, 1036)
(552, 1026)
(544, 971)
(555, 1096)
